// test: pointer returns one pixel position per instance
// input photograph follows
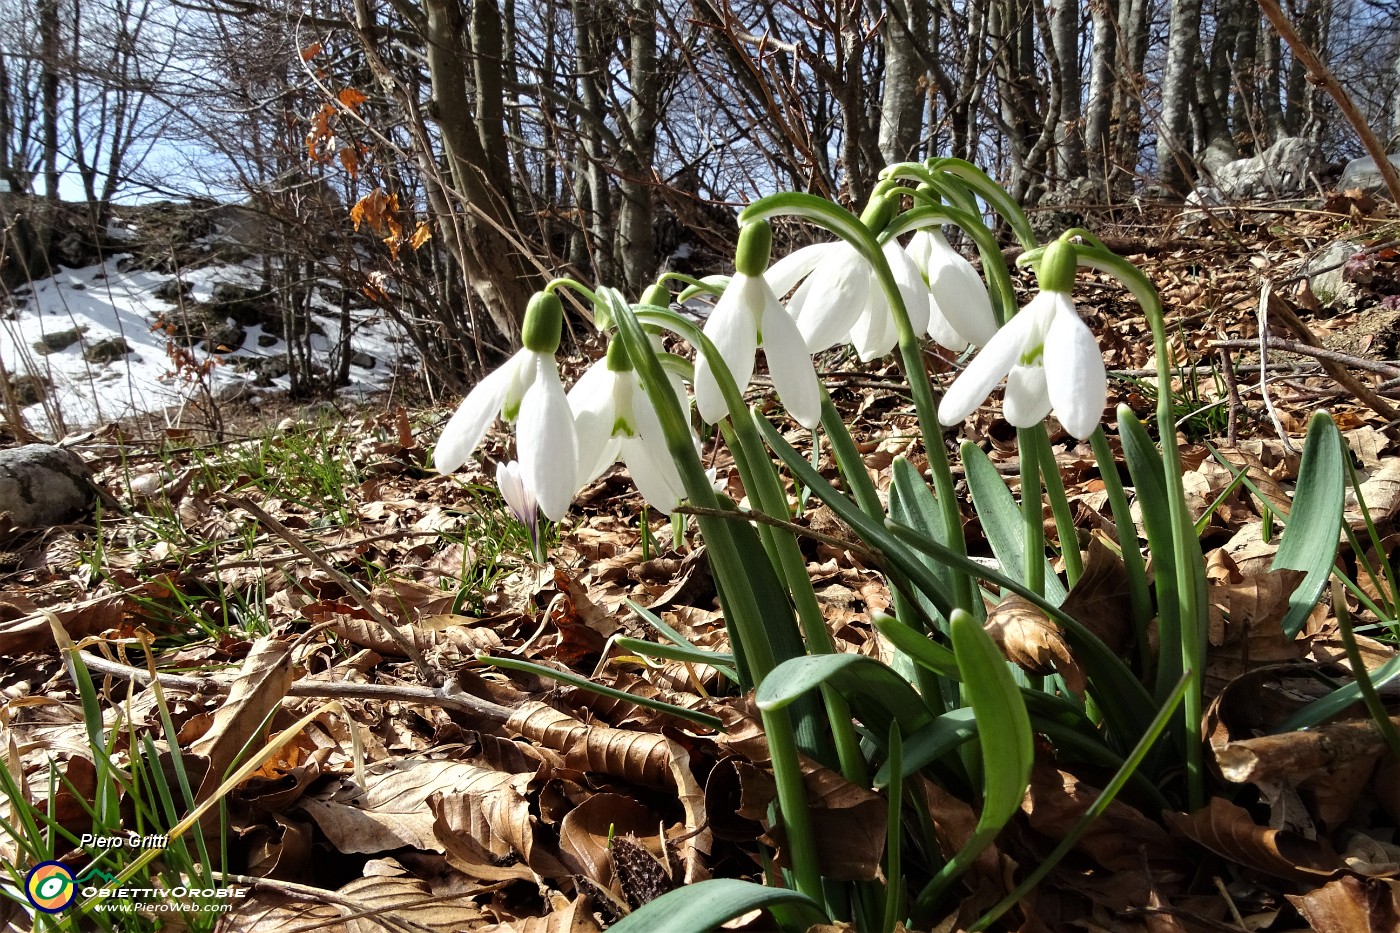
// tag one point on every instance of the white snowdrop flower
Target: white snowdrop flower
(960, 308)
(1048, 356)
(615, 419)
(527, 391)
(748, 315)
(875, 332)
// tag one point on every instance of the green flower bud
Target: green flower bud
(878, 213)
(755, 245)
(544, 323)
(618, 360)
(1057, 267)
(658, 295)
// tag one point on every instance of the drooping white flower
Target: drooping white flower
(615, 419)
(835, 287)
(840, 298)
(875, 332)
(746, 316)
(1051, 363)
(526, 390)
(960, 308)
(1049, 358)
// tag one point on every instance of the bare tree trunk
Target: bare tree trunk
(1178, 87)
(636, 241)
(1064, 18)
(1128, 106)
(902, 98)
(1395, 107)
(48, 83)
(1098, 151)
(498, 267)
(1274, 123)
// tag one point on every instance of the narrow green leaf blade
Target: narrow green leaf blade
(878, 695)
(1001, 519)
(705, 906)
(1314, 527)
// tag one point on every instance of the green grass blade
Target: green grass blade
(1314, 527)
(706, 905)
(719, 661)
(1007, 750)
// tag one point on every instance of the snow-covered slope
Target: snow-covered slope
(91, 380)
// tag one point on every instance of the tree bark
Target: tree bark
(1098, 152)
(1178, 87)
(1064, 39)
(902, 97)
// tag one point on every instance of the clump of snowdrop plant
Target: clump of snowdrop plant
(880, 725)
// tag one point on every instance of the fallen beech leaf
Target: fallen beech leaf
(585, 833)
(1351, 905)
(1230, 832)
(642, 757)
(1032, 642)
(1117, 840)
(262, 683)
(1100, 599)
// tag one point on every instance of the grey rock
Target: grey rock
(1327, 272)
(1363, 173)
(107, 351)
(1282, 169)
(172, 290)
(58, 340)
(361, 359)
(41, 485)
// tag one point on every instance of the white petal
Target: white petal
(464, 431)
(912, 287)
(518, 499)
(1074, 366)
(546, 440)
(654, 473)
(943, 333)
(920, 245)
(832, 298)
(790, 365)
(1027, 401)
(972, 387)
(960, 294)
(593, 402)
(792, 268)
(733, 327)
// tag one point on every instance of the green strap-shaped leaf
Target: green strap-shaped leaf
(912, 503)
(583, 683)
(1007, 746)
(706, 905)
(1314, 527)
(878, 695)
(1001, 519)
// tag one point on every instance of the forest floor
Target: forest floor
(451, 793)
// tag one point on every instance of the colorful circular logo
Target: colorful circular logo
(50, 886)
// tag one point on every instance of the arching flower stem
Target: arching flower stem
(849, 228)
(1188, 615)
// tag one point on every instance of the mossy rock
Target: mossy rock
(173, 290)
(29, 389)
(224, 337)
(107, 351)
(247, 306)
(58, 340)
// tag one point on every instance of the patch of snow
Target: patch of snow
(105, 303)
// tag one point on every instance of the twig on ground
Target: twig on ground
(1232, 396)
(1265, 292)
(1285, 345)
(483, 711)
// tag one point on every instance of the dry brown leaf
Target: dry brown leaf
(1117, 840)
(1031, 641)
(1230, 832)
(642, 757)
(259, 689)
(1351, 905)
(585, 833)
(1100, 599)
